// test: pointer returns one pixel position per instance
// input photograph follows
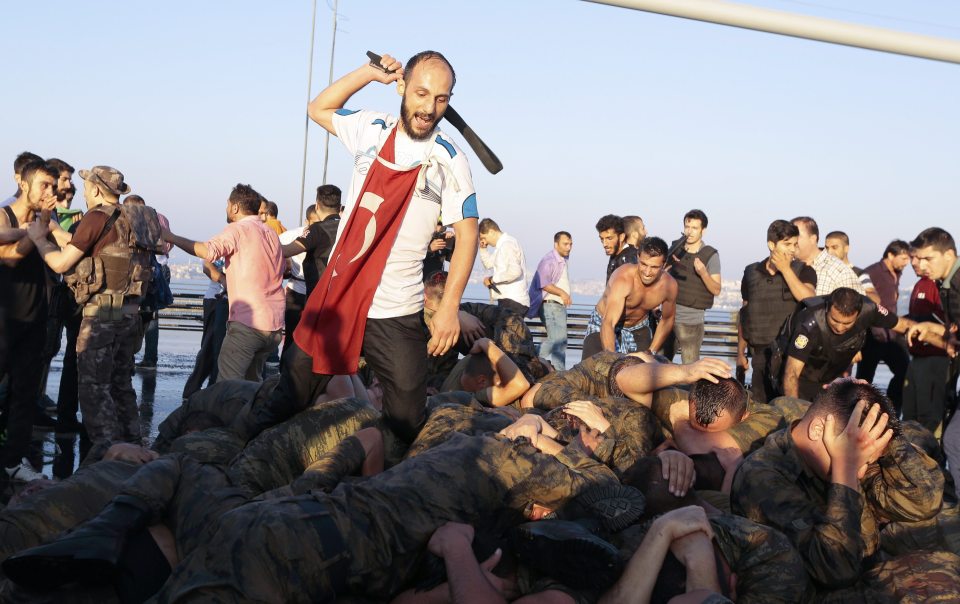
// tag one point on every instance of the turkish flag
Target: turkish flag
(334, 317)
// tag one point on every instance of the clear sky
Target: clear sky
(592, 110)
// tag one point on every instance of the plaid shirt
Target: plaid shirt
(833, 273)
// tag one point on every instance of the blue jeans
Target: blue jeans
(554, 346)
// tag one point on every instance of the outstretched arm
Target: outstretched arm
(322, 108)
(639, 380)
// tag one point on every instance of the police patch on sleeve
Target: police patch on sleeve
(801, 342)
(882, 310)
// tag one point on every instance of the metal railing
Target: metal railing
(720, 333)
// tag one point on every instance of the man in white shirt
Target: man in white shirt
(508, 268)
(393, 336)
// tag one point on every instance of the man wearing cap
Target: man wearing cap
(108, 274)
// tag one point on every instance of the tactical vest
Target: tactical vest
(770, 303)
(823, 360)
(121, 269)
(691, 292)
(330, 228)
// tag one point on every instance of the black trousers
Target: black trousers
(894, 354)
(395, 349)
(67, 401)
(291, 317)
(24, 370)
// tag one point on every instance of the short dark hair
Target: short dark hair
(709, 399)
(934, 237)
(427, 55)
(809, 224)
(610, 221)
(479, 365)
(841, 397)
(632, 223)
(311, 212)
(897, 247)
(434, 284)
(23, 159)
(696, 215)
(559, 234)
(60, 166)
(653, 246)
(247, 198)
(847, 301)
(272, 209)
(134, 200)
(780, 230)
(329, 196)
(487, 225)
(838, 235)
(38, 165)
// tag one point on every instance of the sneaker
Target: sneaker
(24, 472)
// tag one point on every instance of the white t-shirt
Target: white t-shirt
(508, 269)
(449, 193)
(296, 282)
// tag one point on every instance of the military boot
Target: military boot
(568, 552)
(87, 555)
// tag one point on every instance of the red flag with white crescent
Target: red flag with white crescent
(334, 317)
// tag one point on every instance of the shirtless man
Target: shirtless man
(621, 321)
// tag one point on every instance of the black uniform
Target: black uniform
(628, 255)
(825, 354)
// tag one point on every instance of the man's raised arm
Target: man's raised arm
(335, 96)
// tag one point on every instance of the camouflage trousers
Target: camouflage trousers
(265, 551)
(107, 399)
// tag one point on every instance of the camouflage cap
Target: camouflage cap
(107, 177)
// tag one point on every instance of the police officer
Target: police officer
(107, 265)
(771, 289)
(825, 337)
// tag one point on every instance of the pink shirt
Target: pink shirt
(254, 268)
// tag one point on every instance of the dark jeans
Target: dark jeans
(760, 389)
(24, 371)
(395, 349)
(894, 354)
(214, 329)
(291, 316)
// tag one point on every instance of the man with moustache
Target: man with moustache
(25, 286)
(407, 173)
(621, 320)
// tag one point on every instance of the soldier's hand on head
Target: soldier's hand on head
(684, 521)
(450, 535)
(590, 414)
(678, 468)
(858, 444)
(480, 346)
(706, 369)
(527, 426)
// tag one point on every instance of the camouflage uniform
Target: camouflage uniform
(105, 351)
(62, 506)
(835, 528)
(592, 377)
(767, 566)
(224, 399)
(750, 434)
(445, 419)
(280, 454)
(915, 578)
(273, 550)
(792, 408)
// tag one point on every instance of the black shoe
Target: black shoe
(617, 507)
(147, 365)
(88, 555)
(568, 552)
(47, 404)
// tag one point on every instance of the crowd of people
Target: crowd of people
(418, 448)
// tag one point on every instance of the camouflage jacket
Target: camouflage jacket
(835, 528)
